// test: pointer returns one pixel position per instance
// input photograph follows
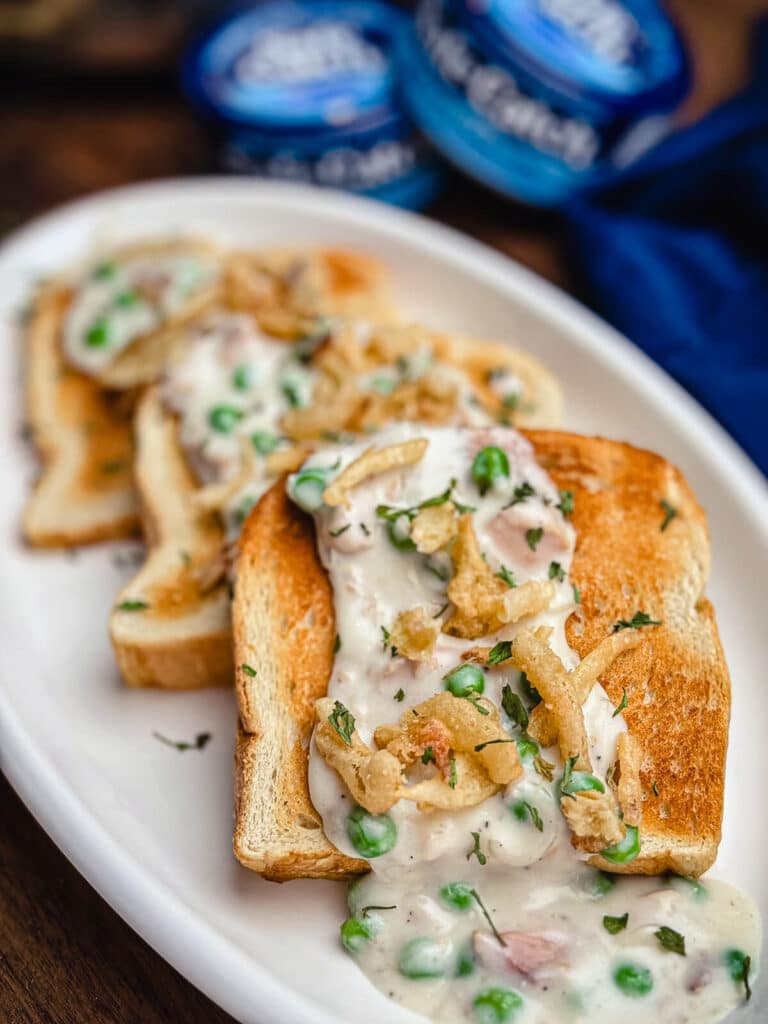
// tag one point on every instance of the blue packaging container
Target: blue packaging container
(538, 98)
(305, 91)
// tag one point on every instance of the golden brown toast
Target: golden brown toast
(677, 682)
(84, 436)
(196, 651)
(171, 621)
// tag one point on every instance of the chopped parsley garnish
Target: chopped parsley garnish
(745, 977)
(440, 612)
(343, 722)
(392, 512)
(525, 809)
(105, 270)
(385, 635)
(113, 465)
(376, 906)
(364, 528)
(614, 925)
(545, 768)
(248, 669)
(671, 940)
(441, 574)
(475, 702)
(556, 572)
(98, 335)
(487, 916)
(337, 644)
(132, 605)
(623, 703)
(507, 575)
(476, 851)
(399, 695)
(533, 537)
(576, 594)
(428, 757)
(198, 743)
(490, 743)
(514, 707)
(655, 788)
(567, 776)
(638, 620)
(669, 513)
(341, 529)
(520, 493)
(501, 651)
(566, 502)
(291, 394)
(452, 775)
(511, 401)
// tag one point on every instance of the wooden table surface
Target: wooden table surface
(65, 956)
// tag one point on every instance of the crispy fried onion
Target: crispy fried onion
(452, 728)
(413, 634)
(583, 678)
(628, 789)
(372, 462)
(288, 460)
(215, 496)
(593, 820)
(484, 603)
(434, 527)
(530, 653)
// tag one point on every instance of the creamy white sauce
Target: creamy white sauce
(235, 383)
(122, 300)
(562, 966)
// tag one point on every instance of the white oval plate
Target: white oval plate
(149, 827)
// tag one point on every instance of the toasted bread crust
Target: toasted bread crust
(85, 492)
(677, 682)
(278, 831)
(182, 639)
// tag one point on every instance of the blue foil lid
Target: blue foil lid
(622, 54)
(286, 66)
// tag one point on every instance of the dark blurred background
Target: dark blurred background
(89, 99)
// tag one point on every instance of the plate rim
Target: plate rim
(203, 955)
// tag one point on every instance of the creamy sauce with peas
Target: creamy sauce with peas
(235, 383)
(121, 300)
(419, 924)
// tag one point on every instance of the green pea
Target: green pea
(357, 930)
(384, 385)
(626, 850)
(465, 962)
(489, 464)
(243, 376)
(424, 958)
(355, 896)
(602, 883)
(264, 441)
(496, 1005)
(104, 271)
(696, 889)
(457, 895)
(127, 299)
(464, 680)
(527, 748)
(633, 980)
(399, 532)
(580, 782)
(307, 487)
(734, 960)
(98, 335)
(371, 834)
(224, 418)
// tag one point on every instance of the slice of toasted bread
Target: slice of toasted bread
(677, 682)
(84, 435)
(171, 621)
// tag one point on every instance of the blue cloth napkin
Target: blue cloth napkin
(674, 252)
